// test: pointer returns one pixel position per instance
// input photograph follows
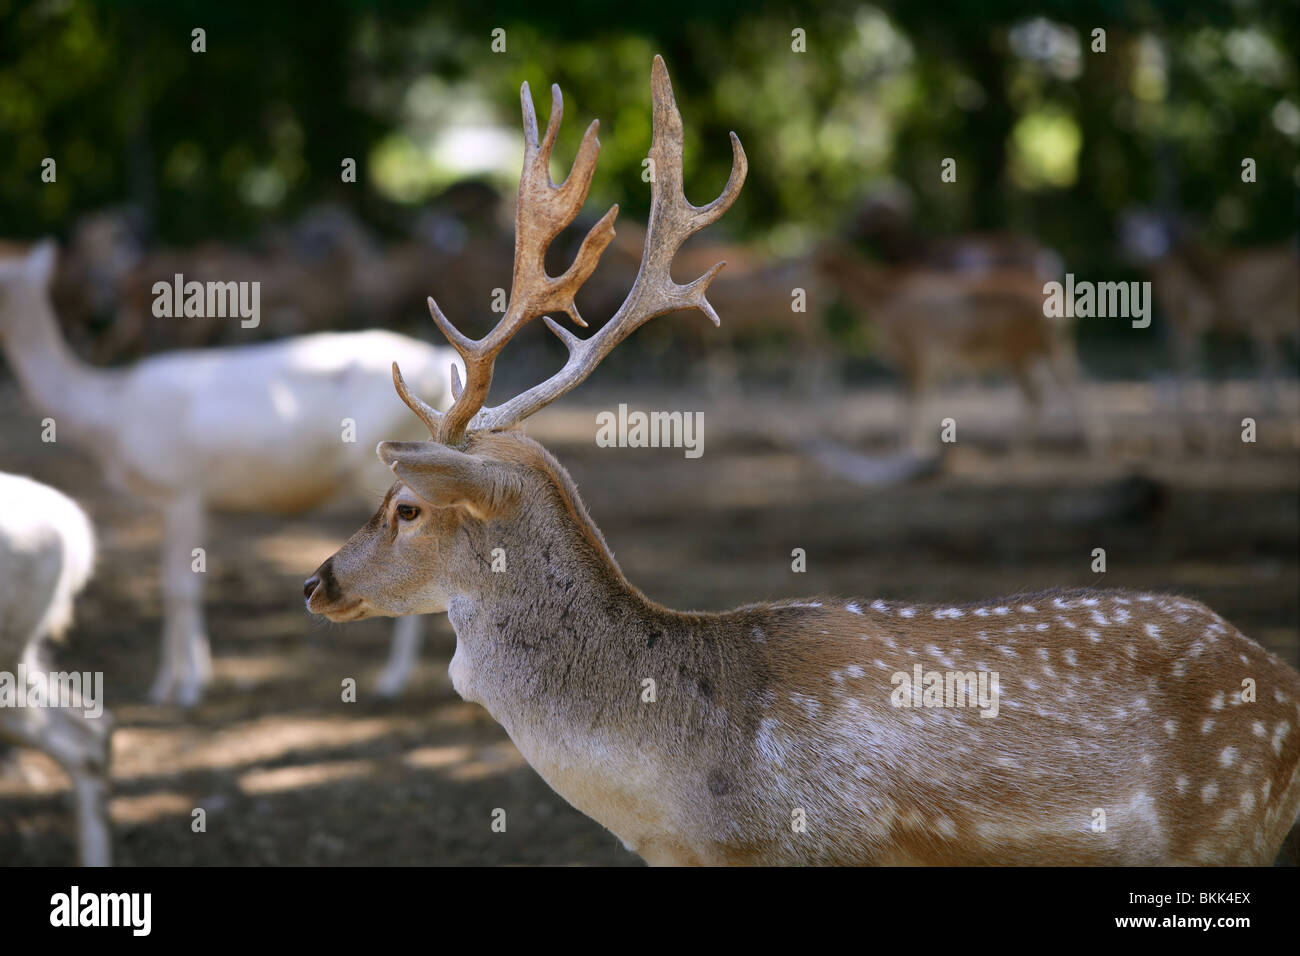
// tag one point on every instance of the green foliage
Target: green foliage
(1057, 141)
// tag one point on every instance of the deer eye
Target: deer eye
(408, 512)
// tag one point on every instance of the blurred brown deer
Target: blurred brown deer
(884, 223)
(1253, 293)
(931, 323)
(325, 270)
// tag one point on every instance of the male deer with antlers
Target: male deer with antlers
(775, 737)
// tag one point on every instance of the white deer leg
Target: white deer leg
(81, 746)
(90, 783)
(403, 657)
(186, 666)
(94, 834)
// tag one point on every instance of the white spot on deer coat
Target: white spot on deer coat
(1279, 734)
(771, 747)
(811, 705)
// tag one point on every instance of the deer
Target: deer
(934, 322)
(777, 733)
(263, 427)
(1251, 292)
(885, 223)
(47, 554)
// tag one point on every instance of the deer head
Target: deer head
(479, 484)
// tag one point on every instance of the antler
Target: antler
(544, 209)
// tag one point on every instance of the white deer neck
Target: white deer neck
(78, 397)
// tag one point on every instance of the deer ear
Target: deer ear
(447, 478)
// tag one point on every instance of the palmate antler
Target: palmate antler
(542, 212)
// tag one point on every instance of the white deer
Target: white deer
(800, 731)
(271, 427)
(47, 554)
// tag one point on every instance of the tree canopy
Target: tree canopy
(1050, 134)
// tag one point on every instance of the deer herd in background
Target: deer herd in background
(933, 309)
(192, 423)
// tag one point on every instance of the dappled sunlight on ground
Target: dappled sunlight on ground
(308, 775)
(150, 807)
(145, 752)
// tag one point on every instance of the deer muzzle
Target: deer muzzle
(324, 596)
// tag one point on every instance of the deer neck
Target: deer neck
(558, 649)
(533, 644)
(79, 398)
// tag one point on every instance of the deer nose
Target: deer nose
(309, 586)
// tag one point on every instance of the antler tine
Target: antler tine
(431, 417)
(543, 211)
(673, 219)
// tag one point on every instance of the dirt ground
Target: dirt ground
(289, 774)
